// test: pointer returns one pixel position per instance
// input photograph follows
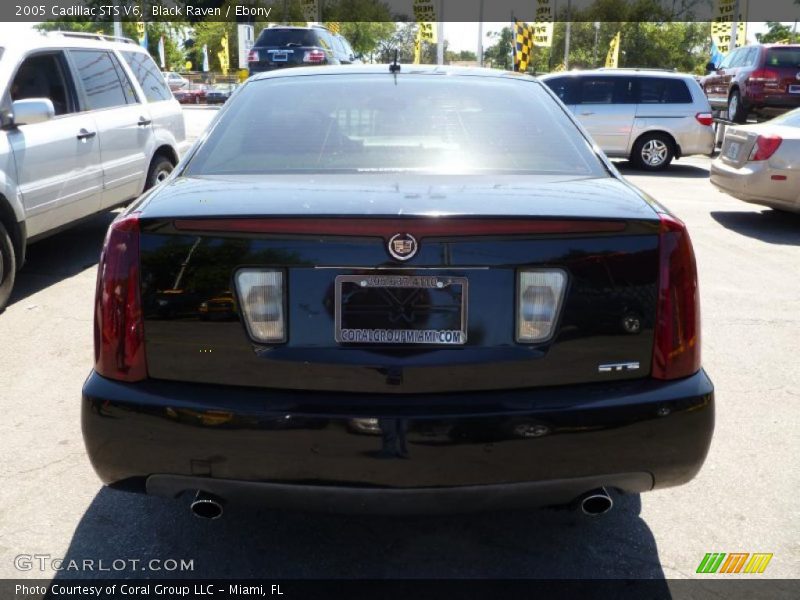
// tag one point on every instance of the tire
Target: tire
(8, 267)
(653, 152)
(737, 112)
(160, 168)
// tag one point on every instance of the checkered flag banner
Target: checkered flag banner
(523, 45)
(334, 27)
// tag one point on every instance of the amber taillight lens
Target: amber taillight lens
(676, 351)
(118, 327)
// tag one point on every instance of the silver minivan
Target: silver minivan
(87, 124)
(648, 116)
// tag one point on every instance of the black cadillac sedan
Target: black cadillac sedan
(374, 291)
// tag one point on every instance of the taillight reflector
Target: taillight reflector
(676, 350)
(766, 146)
(314, 56)
(252, 56)
(705, 118)
(764, 76)
(118, 326)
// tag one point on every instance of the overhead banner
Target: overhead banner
(721, 25)
(612, 59)
(425, 15)
(543, 25)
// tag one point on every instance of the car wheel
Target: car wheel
(736, 109)
(653, 152)
(8, 267)
(159, 171)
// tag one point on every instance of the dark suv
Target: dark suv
(279, 47)
(763, 78)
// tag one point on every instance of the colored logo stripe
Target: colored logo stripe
(758, 562)
(734, 563)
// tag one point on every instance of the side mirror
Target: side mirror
(711, 67)
(31, 111)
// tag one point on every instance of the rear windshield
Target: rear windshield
(287, 37)
(783, 57)
(790, 119)
(368, 123)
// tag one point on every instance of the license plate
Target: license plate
(734, 148)
(280, 56)
(794, 89)
(401, 309)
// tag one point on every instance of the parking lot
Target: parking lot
(744, 499)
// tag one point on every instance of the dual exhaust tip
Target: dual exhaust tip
(594, 503)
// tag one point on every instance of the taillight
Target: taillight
(314, 56)
(252, 56)
(766, 146)
(676, 350)
(118, 327)
(764, 76)
(705, 118)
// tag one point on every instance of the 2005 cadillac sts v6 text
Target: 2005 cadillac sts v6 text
(375, 291)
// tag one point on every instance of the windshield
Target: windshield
(783, 57)
(377, 122)
(287, 37)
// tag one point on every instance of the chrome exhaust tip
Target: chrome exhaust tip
(596, 503)
(206, 506)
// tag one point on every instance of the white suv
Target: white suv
(88, 124)
(646, 115)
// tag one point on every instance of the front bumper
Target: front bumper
(371, 453)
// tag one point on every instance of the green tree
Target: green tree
(498, 55)
(171, 32)
(778, 32)
(365, 37)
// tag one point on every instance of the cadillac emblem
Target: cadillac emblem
(403, 246)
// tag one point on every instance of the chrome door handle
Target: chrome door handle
(143, 122)
(85, 134)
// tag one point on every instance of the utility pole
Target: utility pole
(440, 34)
(734, 27)
(117, 22)
(480, 33)
(596, 33)
(569, 33)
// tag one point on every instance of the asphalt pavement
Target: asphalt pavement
(743, 500)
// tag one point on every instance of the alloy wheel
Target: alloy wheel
(654, 153)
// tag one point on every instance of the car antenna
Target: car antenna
(394, 67)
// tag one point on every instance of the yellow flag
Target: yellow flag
(612, 59)
(418, 47)
(425, 15)
(223, 55)
(721, 25)
(334, 27)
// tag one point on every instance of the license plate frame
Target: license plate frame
(733, 150)
(398, 336)
(794, 89)
(279, 56)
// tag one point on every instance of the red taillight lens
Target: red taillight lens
(676, 351)
(118, 326)
(766, 146)
(705, 118)
(764, 76)
(314, 56)
(252, 56)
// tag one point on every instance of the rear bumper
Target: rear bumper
(753, 183)
(419, 453)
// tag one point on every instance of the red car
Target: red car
(194, 94)
(762, 79)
